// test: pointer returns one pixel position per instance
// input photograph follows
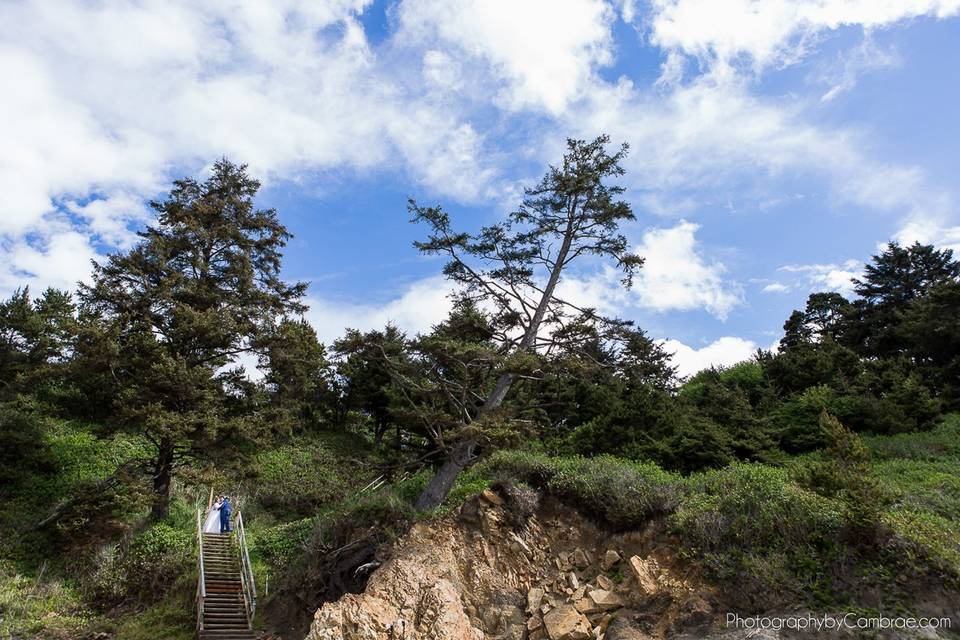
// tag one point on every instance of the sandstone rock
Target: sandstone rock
(645, 573)
(579, 593)
(605, 583)
(605, 600)
(579, 558)
(610, 558)
(499, 618)
(534, 598)
(586, 605)
(535, 622)
(566, 623)
(573, 580)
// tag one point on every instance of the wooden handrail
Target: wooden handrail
(201, 583)
(246, 572)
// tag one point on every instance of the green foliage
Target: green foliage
(843, 473)
(298, 374)
(146, 566)
(622, 493)
(38, 606)
(929, 537)
(754, 507)
(942, 442)
(24, 449)
(280, 544)
(35, 339)
(299, 477)
(160, 321)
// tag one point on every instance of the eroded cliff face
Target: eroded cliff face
(495, 571)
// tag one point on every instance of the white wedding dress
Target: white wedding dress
(212, 523)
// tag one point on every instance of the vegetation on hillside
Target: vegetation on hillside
(823, 472)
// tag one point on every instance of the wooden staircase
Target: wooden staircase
(226, 594)
(224, 610)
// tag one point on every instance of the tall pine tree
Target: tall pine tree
(164, 319)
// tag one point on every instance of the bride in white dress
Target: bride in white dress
(212, 523)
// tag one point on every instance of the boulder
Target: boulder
(605, 583)
(586, 605)
(534, 599)
(566, 623)
(645, 573)
(605, 600)
(610, 559)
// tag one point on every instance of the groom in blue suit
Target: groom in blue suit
(225, 516)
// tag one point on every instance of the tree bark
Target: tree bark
(162, 474)
(440, 484)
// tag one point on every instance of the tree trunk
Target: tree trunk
(162, 474)
(439, 486)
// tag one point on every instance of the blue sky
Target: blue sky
(775, 145)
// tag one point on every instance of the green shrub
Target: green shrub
(752, 506)
(24, 450)
(38, 606)
(282, 543)
(925, 537)
(622, 493)
(922, 485)
(145, 567)
(301, 477)
(941, 443)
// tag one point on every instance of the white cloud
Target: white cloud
(58, 261)
(776, 287)
(832, 277)
(929, 230)
(722, 352)
(773, 32)
(675, 275)
(422, 304)
(542, 52)
(843, 74)
(110, 99)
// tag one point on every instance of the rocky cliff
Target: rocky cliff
(508, 568)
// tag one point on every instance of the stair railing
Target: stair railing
(201, 584)
(246, 572)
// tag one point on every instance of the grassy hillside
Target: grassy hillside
(770, 534)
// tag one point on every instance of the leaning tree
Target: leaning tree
(513, 269)
(164, 319)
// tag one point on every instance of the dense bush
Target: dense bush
(144, 567)
(299, 478)
(752, 507)
(280, 544)
(622, 493)
(24, 449)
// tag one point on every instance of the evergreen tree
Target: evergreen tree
(164, 318)
(35, 337)
(514, 267)
(298, 374)
(894, 280)
(364, 364)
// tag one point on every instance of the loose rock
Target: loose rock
(566, 623)
(645, 573)
(610, 559)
